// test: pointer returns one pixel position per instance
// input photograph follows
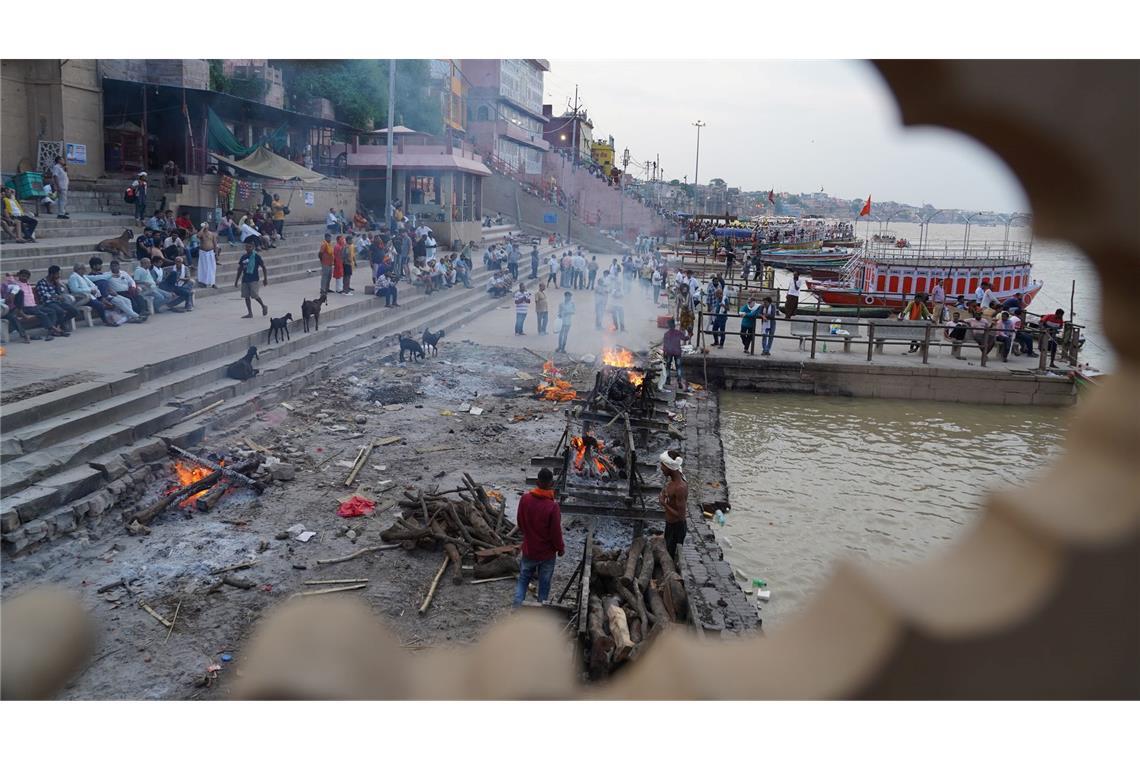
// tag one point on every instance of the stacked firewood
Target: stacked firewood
(461, 522)
(634, 596)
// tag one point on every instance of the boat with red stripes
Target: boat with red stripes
(883, 275)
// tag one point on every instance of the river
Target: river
(815, 478)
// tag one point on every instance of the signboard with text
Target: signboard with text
(75, 153)
(550, 218)
(310, 198)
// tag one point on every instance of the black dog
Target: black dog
(411, 346)
(312, 309)
(431, 340)
(243, 368)
(276, 325)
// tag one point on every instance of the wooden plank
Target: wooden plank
(584, 588)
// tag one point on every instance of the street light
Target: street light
(1009, 221)
(924, 229)
(966, 236)
(696, 170)
(891, 216)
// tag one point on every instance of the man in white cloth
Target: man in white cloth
(207, 257)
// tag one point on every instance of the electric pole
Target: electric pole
(621, 188)
(391, 119)
(696, 169)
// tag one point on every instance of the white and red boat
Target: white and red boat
(887, 276)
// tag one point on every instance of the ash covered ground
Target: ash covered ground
(428, 406)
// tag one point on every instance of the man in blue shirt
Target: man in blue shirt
(248, 266)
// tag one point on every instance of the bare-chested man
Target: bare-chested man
(674, 499)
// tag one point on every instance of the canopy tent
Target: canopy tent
(265, 163)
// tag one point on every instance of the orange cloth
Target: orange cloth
(327, 256)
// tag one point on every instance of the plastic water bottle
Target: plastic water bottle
(719, 517)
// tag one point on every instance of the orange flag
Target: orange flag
(866, 207)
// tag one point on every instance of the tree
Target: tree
(358, 90)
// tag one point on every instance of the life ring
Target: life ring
(868, 300)
(1028, 298)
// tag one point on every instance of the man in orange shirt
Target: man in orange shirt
(328, 258)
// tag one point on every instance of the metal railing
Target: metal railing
(925, 333)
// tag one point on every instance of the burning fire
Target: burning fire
(622, 357)
(553, 387)
(187, 474)
(593, 447)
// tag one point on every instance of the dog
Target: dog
(276, 325)
(116, 245)
(312, 309)
(411, 346)
(243, 368)
(431, 341)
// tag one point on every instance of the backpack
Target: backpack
(129, 195)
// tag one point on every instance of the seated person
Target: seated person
(246, 232)
(183, 222)
(1022, 336)
(15, 212)
(176, 280)
(386, 287)
(978, 326)
(156, 222)
(360, 221)
(20, 298)
(1053, 324)
(1014, 304)
(956, 328)
(1003, 333)
(148, 286)
(10, 226)
(52, 294)
(228, 229)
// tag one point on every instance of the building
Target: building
(448, 86)
(562, 132)
(602, 154)
(438, 180)
(504, 111)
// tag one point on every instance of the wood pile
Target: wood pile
(635, 594)
(461, 522)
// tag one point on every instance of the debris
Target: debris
(334, 582)
(357, 506)
(282, 471)
(465, 407)
(227, 657)
(434, 585)
(344, 463)
(239, 566)
(204, 409)
(154, 614)
(361, 458)
(475, 410)
(288, 406)
(357, 587)
(328, 459)
(138, 529)
(304, 537)
(241, 583)
(492, 580)
(173, 620)
(435, 449)
(393, 407)
(295, 530)
(387, 441)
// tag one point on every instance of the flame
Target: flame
(553, 387)
(601, 462)
(187, 474)
(618, 357)
(637, 378)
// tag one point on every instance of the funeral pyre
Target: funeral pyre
(553, 387)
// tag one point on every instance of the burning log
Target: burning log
(234, 473)
(204, 483)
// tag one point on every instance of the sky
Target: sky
(794, 126)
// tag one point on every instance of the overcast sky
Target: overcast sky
(794, 126)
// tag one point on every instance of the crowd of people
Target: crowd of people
(767, 230)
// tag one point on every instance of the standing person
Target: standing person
(674, 498)
(915, 311)
(376, 256)
(348, 256)
(579, 271)
(720, 317)
(338, 264)
(749, 313)
(540, 522)
(327, 258)
(522, 301)
(207, 257)
(566, 316)
(553, 276)
(278, 216)
(617, 305)
(791, 303)
(61, 181)
(592, 267)
(534, 262)
(248, 265)
(671, 348)
(139, 186)
(541, 310)
(658, 280)
(938, 299)
(512, 260)
(767, 326)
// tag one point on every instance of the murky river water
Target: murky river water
(816, 478)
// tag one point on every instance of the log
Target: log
(357, 587)
(434, 585)
(647, 566)
(354, 555)
(234, 472)
(155, 615)
(485, 554)
(502, 565)
(657, 609)
(480, 528)
(361, 458)
(608, 568)
(635, 632)
(339, 581)
(456, 561)
(238, 566)
(144, 516)
(241, 583)
(634, 556)
(492, 580)
(636, 603)
(670, 585)
(619, 630)
(423, 506)
(601, 645)
(210, 499)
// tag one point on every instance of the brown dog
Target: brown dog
(312, 309)
(117, 245)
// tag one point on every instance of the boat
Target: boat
(826, 312)
(890, 240)
(889, 277)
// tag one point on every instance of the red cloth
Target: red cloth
(356, 507)
(540, 521)
(866, 207)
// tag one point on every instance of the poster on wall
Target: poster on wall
(550, 218)
(75, 153)
(310, 198)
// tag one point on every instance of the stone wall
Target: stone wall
(973, 386)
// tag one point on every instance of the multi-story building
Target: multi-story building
(504, 111)
(563, 131)
(602, 154)
(448, 85)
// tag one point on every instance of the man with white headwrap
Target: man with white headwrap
(674, 500)
(207, 257)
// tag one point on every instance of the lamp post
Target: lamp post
(924, 229)
(621, 189)
(966, 236)
(1009, 221)
(890, 216)
(391, 117)
(696, 169)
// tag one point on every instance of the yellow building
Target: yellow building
(602, 152)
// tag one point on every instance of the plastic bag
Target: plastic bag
(357, 506)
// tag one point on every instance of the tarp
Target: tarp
(265, 163)
(221, 138)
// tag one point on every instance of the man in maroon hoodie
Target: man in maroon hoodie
(540, 521)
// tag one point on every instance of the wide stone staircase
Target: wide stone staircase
(73, 454)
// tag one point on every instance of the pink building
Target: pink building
(504, 111)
